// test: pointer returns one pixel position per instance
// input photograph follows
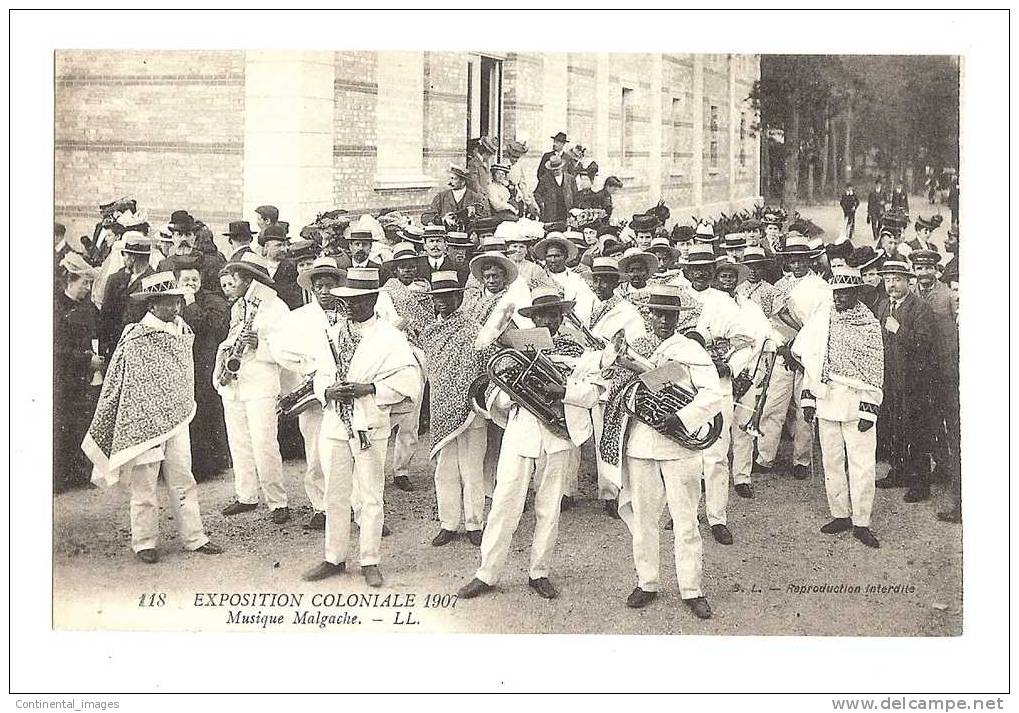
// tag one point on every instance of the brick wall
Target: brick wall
(163, 127)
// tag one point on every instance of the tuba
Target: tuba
(652, 408)
(522, 375)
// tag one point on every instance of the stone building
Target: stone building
(219, 133)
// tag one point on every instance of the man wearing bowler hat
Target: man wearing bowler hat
(558, 146)
(118, 310)
(240, 236)
(909, 331)
(454, 198)
(364, 367)
(555, 193)
(842, 354)
(140, 427)
(249, 395)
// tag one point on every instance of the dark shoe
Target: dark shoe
(372, 575)
(891, 481)
(839, 524)
(237, 507)
(317, 521)
(801, 472)
(280, 515)
(864, 535)
(917, 493)
(403, 483)
(699, 607)
(543, 587)
(386, 532)
(323, 570)
(760, 469)
(474, 536)
(566, 503)
(474, 588)
(147, 556)
(721, 534)
(639, 599)
(744, 490)
(953, 515)
(210, 548)
(443, 538)
(612, 508)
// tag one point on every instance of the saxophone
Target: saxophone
(231, 365)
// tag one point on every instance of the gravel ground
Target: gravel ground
(751, 585)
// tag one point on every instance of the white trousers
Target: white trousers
(351, 472)
(850, 494)
(783, 398)
(460, 481)
(651, 484)
(514, 476)
(251, 432)
(492, 456)
(176, 470)
(310, 423)
(715, 464)
(405, 439)
(607, 490)
(571, 474)
(743, 442)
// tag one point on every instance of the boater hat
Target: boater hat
(444, 281)
(734, 241)
(705, 233)
(413, 234)
(896, 267)
(665, 298)
(161, 284)
(798, 245)
(402, 252)
(546, 298)
(727, 262)
(458, 170)
(555, 238)
(492, 244)
(322, 266)
(844, 277)
(458, 240)
(754, 255)
(136, 243)
(360, 281)
(253, 264)
(480, 262)
(700, 254)
(554, 163)
(607, 266)
(661, 243)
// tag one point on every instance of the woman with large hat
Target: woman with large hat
(140, 427)
(249, 396)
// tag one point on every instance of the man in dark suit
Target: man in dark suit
(455, 198)
(240, 237)
(118, 310)
(876, 200)
(909, 331)
(436, 257)
(558, 145)
(555, 192)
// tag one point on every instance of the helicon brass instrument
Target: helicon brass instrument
(524, 375)
(231, 365)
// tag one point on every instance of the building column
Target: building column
(655, 144)
(553, 94)
(733, 131)
(288, 133)
(601, 107)
(698, 131)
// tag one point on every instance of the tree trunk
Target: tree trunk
(847, 156)
(810, 182)
(765, 166)
(791, 185)
(825, 142)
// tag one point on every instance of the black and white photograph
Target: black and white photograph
(387, 341)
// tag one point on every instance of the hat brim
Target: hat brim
(668, 308)
(811, 254)
(478, 262)
(343, 291)
(751, 261)
(444, 290)
(845, 287)
(542, 246)
(904, 273)
(648, 259)
(304, 279)
(564, 305)
(245, 267)
(141, 296)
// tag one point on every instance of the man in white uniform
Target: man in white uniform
(363, 369)
(249, 396)
(295, 347)
(843, 357)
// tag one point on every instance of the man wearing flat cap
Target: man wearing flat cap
(249, 394)
(456, 197)
(140, 427)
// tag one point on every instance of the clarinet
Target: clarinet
(344, 410)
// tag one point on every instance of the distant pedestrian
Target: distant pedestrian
(875, 207)
(849, 202)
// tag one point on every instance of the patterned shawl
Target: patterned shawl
(855, 350)
(453, 364)
(410, 306)
(615, 419)
(148, 394)
(603, 309)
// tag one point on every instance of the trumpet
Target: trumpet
(753, 426)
